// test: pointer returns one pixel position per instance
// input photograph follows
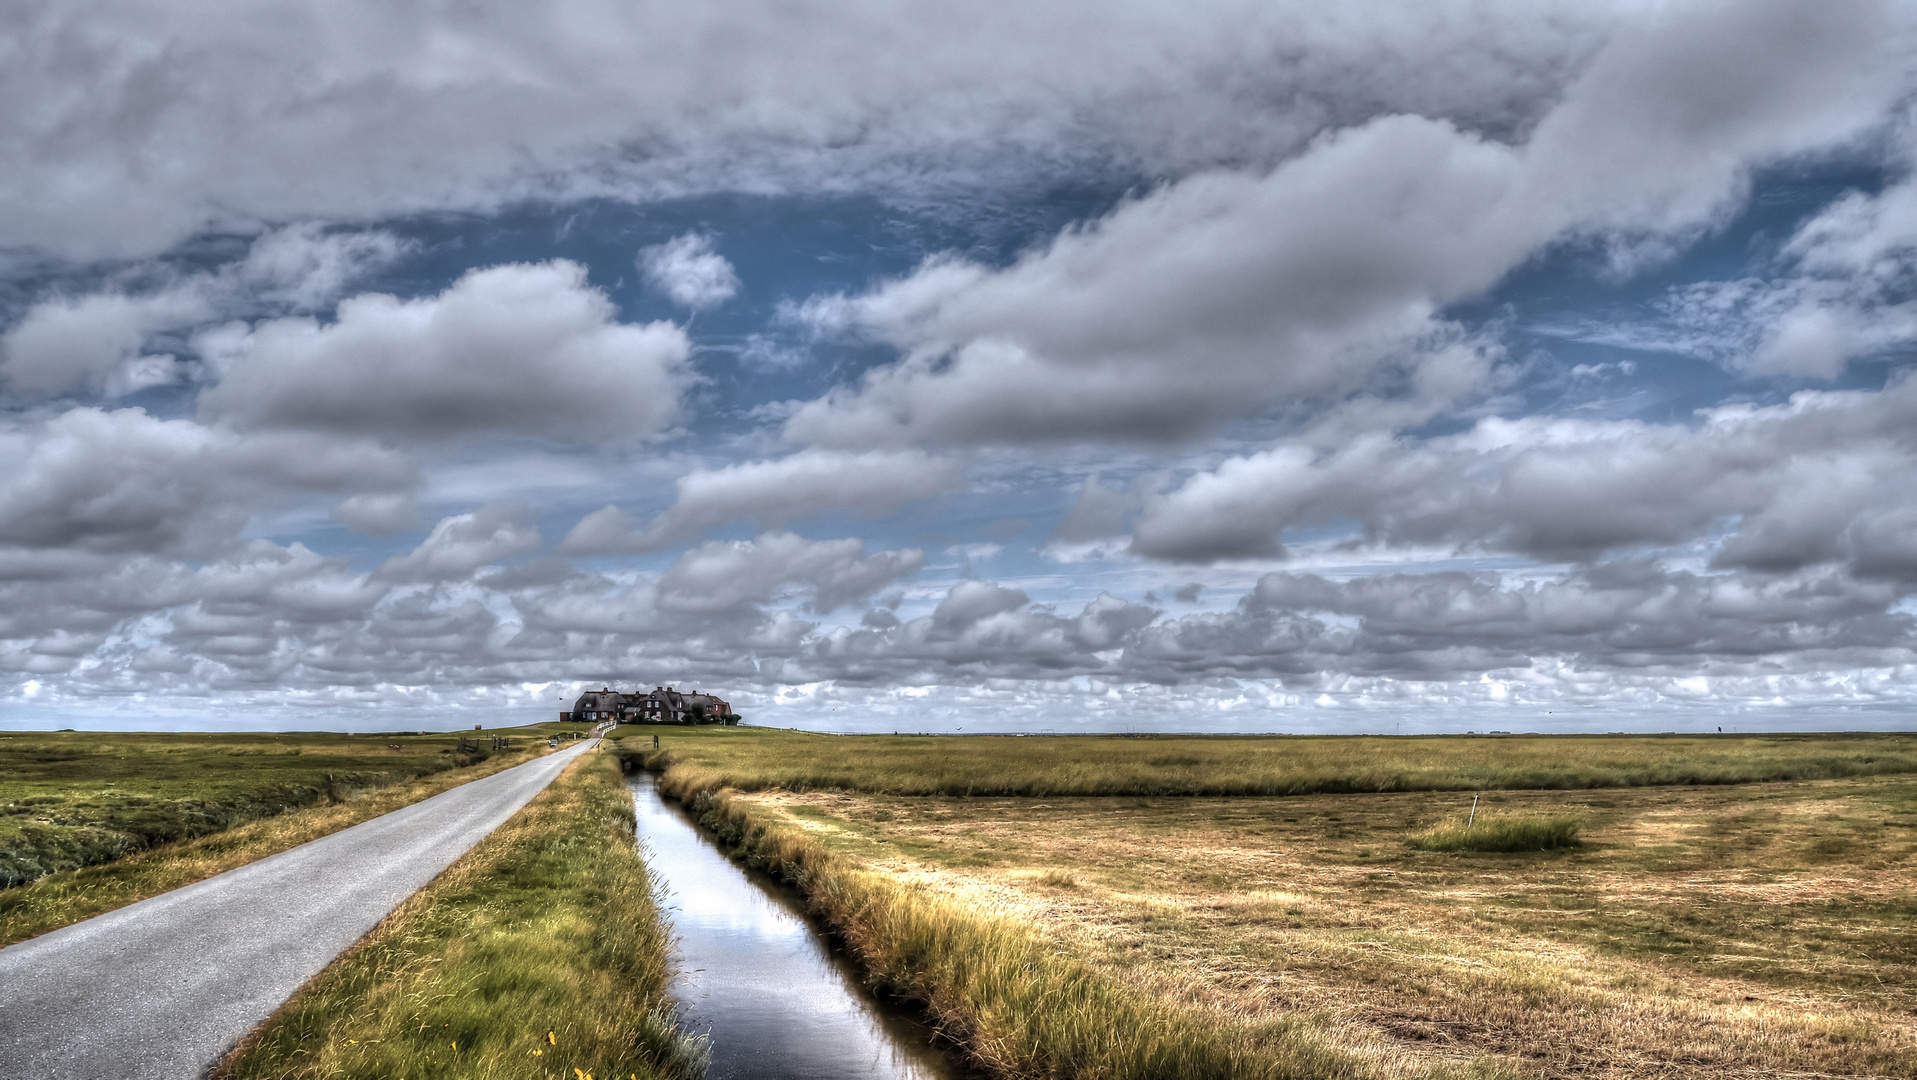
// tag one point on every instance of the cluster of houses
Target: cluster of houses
(663, 705)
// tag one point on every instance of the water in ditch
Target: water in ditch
(775, 999)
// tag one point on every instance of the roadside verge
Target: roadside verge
(539, 952)
(70, 896)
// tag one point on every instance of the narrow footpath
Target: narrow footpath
(159, 990)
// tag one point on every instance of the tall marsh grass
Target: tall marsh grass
(761, 759)
(1501, 832)
(539, 953)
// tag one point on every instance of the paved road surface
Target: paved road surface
(161, 989)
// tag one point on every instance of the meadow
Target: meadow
(72, 799)
(1735, 906)
(757, 759)
(540, 953)
(98, 821)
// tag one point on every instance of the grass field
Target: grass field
(73, 799)
(141, 791)
(756, 759)
(1757, 928)
(538, 954)
(1011, 999)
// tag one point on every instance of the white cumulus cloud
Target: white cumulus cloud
(520, 349)
(688, 271)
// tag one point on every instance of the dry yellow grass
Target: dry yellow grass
(1016, 1003)
(1760, 930)
(67, 897)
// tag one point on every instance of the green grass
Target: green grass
(76, 799)
(539, 953)
(67, 896)
(1501, 832)
(758, 759)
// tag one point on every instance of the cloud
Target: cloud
(1837, 291)
(688, 271)
(727, 574)
(124, 481)
(307, 265)
(133, 132)
(1449, 625)
(1198, 302)
(96, 340)
(772, 493)
(460, 544)
(271, 623)
(379, 515)
(1219, 294)
(970, 602)
(1099, 513)
(520, 349)
(1781, 485)
(1319, 197)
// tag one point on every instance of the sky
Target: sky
(1037, 366)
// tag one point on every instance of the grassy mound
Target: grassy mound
(1501, 832)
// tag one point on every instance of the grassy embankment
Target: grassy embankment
(540, 953)
(118, 817)
(1755, 929)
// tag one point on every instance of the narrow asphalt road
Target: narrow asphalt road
(161, 989)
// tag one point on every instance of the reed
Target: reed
(539, 953)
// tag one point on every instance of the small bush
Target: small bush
(1501, 832)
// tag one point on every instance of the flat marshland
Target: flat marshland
(93, 821)
(1730, 906)
(751, 759)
